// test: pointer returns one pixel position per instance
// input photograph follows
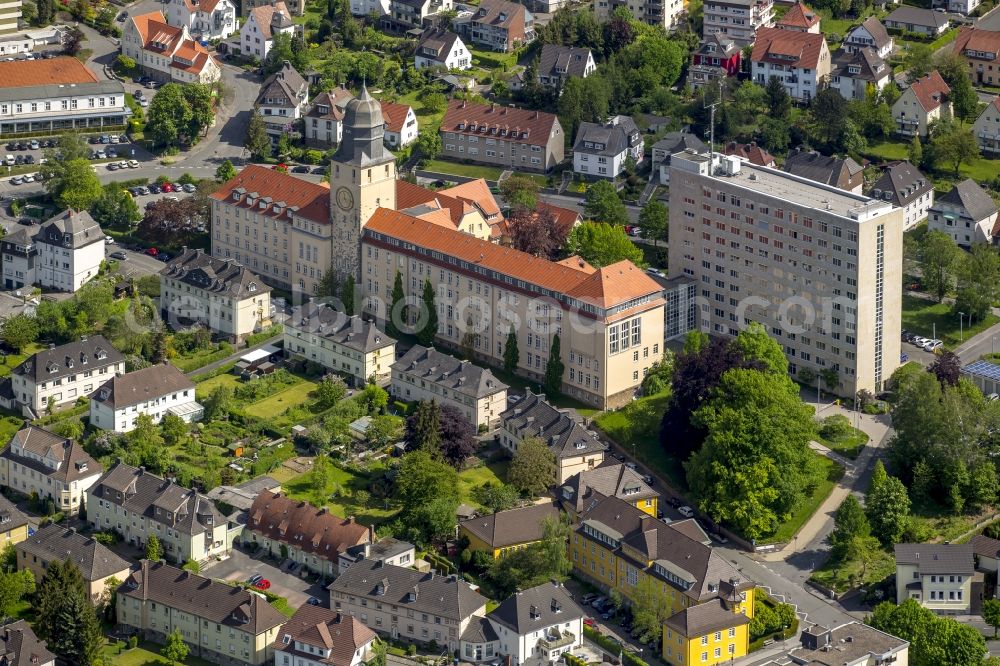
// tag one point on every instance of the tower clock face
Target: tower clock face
(345, 199)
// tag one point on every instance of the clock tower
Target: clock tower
(362, 178)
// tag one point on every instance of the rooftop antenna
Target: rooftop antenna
(711, 125)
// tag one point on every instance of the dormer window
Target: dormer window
(236, 195)
(101, 354)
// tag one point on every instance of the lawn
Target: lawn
(980, 169)
(931, 523)
(636, 427)
(340, 490)
(11, 361)
(425, 117)
(470, 479)
(838, 575)
(466, 170)
(292, 396)
(490, 60)
(938, 320)
(808, 506)
(848, 445)
(201, 358)
(141, 656)
(204, 388)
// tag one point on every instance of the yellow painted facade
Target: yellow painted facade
(475, 543)
(714, 648)
(15, 536)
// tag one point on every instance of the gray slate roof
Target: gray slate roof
(55, 543)
(446, 596)
(148, 495)
(969, 195)
(937, 558)
(830, 170)
(448, 372)
(984, 546)
(70, 229)
(918, 16)
(705, 618)
(900, 183)
(73, 462)
(285, 84)
(536, 608)
(532, 416)
(678, 142)
(134, 388)
(614, 136)
(69, 359)
(352, 332)
(202, 271)
(514, 526)
(613, 479)
(10, 516)
(19, 646)
(875, 29)
(436, 44)
(561, 61)
(480, 630)
(870, 66)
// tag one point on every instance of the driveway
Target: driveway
(240, 566)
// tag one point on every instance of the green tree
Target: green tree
(654, 221)
(425, 335)
(497, 497)
(348, 294)
(887, 506)
(175, 649)
(934, 641)
(168, 115)
(65, 618)
(952, 145)
(19, 331)
(329, 392)
(256, 141)
(533, 469)
(778, 99)
(939, 257)
(73, 184)
(554, 369)
(991, 614)
(429, 143)
(115, 208)
(828, 113)
(602, 204)
(520, 192)
(225, 172)
(850, 529)
(174, 429)
(915, 151)
(919, 60)
(14, 587)
(511, 354)
(963, 98)
(601, 244)
(396, 314)
(978, 281)
(218, 403)
(154, 552)
(423, 429)
(319, 479)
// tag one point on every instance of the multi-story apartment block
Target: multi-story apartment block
(317, 636)
(58, 375)
(301, 532)
(539, 624)
(799, 18)
(717, 57)
(400, 124)
(404, 15)
(938, 576)
(220, 623)
(620, 547)
(205, 19)
(667, 14)
(870, 34)
(818, 267)
(20, 646)
(904, 185)
(154, 391)
(427, 374)
(853, 643)
(921, 104)
(439, 47)
(70, 251)
(800, 60)
(611, 480)
(576, 448)
(603, 150)
(498, 25)
(13, 522)
(282, 101)
(966, 212)
(196, 288)
(53, 543)
(38, 462)
(136, 504)
(10, 16)
(57, 95)
(518, 139)
(986, 129)
(349, 346)
(166, 52)
(19, 256)
(407, 604)
(262, 24)
(966, 7)
(981, 51)
(324, 122)
(503, 532)
(739, 20)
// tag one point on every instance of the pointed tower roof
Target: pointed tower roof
(364, 129)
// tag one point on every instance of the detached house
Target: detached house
(921, 104)
(750, 152)
(717, 57)
(13, 523)
(965, 7)
(603, 149)
(558, 63)
(506, 531)
(916, 19)
(981, 51)
(62, 374)
(499, 25)
(324, 122)
(154, 391)
(609, 480)
(854, 71)
(870, 34)
(845, 174)
(904, 185)
(319, 636)
(800, 60)
(986, 129)
(938, 576)
(400, 124)
(281, 102)
(206, 19)
(405, 15)
(439, 47)
(967, 213)
(261, 25)
(66, 252)
(166, 52)
(799, 18)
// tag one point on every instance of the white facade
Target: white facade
(369, 7)
(167, 52)
(65, 373)
(801, 78)
(10, 14)
(154, 391)
(523, 647)
(67, 269)
(859, 37)
(257, 32)
(986, 129)
(965, 7)
(344, 345)
(40, 463)
(400, 135)
(455, 56)
(667, 14)
(738, 20)
(208, 19)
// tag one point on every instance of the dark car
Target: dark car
(313, 601)
(11, 147)
(93, 139)
(22, 146)
(674, 502)
(300, 169)
(27, 221)
(19, 159)
(29, 159)
(319, 169)
(155, 189)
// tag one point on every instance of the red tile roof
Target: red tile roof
(57, 71)
(312, 200)
(409, 195)
(788, 47)
(394, 115)
(750, 152)
(930, 90)
(611, 285)
(477, 192)
(799, 16)
(974, 39)
(522, 125)
(303, 525)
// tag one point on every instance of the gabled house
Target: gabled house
(405, 15)
(610, 480)
(967, 213)
(938, 576)
(855, 72)
(62, 255)
(921, 104)
(400, 124)
(19, 646)
(519, 139)
(671, 144)
(261, 25)
(154, 391)
(965, 7)
(903, 185)
(367, 8)
(799, 18)
(324, 122)
(282, 101)
(318, 636)
(603, 149)
(206, 19)
(800, 60)
(498, 25)
(716, 57)
(167, 52)
(916, 19)
(981, 51)
(557, 63)
(986, 129)
(440, 47)
(469, 207)
(869, 34)
(13, 523)
(506, 531)
(845, 173)
(750, 152)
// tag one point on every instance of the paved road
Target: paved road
(576, 204)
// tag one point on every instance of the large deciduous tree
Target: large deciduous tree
(934, 641)
(601, 244)
(533, 469)
(602, 204)
(887, 506)
(939, 259)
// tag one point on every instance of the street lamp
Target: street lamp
(961, 315)
(993, 345)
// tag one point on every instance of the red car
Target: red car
(152, 251)
(590, 622)
(262, 584)
(167, 187)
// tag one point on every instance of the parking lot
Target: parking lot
(241, 566)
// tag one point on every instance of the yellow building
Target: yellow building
(611, 480)
(13, 523)
(669, 566)
(508, 530)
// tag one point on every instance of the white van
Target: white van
(9, 160)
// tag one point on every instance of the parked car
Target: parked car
(9, 160)
(300, 169)
(167, 187)
(587, 598)
(932, 345)
(254, 579)
(16, 180)
(598, 602)
(607, 615)
(109, 240)
(313, 601)
(155, 189)
(29, 178)
(29, 159)
(152, 251)
(189, 188)
(119, 255)
(19, 160)
(589, 621)
(920, 341)
(262, 584)
(685, 511)
(319, 169)
(133, 164)
(113, 166)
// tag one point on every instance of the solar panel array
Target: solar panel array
(983, 369)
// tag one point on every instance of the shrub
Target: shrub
(835, 427)
(411, 649)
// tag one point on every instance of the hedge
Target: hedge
(611, 646)
(573, 660)
(266, 334)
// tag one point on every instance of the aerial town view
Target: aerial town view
(499, 332)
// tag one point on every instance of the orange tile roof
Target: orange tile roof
(142, 22)
(578, 263)
(609, 286)
(57, 71)
(477, 192)
(409, 195)
(788, 47)
(263, 15)
(566, 217)
(975, 39)
(799, 16)
(485, 117)
(930, 90)
(312, 199)
(394, 115)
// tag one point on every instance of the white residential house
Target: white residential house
(39, 462)
(921, 104)
(282, 101)
(800, 60)
(602, 149)
(870, 34)
(400, 124)
(70, 250)
(427, 374)
(904, 185)
(369, 7)
(937, 575)
(965, 7)
(317, 636)
(986, 129)
(154, 391)
(557, 63)
(967, 213)
(205, 19)
(324, 121)
(856, 72)
(441, 48)
(19, 255)
(167, 52)
(261, 25)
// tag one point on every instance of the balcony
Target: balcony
(554, 640)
